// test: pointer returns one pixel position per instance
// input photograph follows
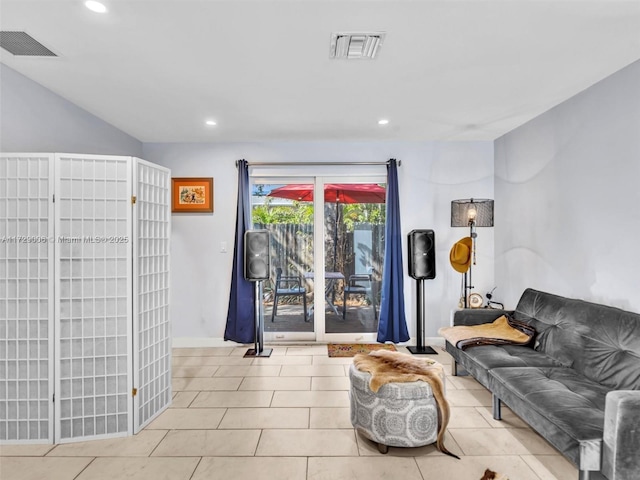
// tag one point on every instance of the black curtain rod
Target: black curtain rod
(314, 164)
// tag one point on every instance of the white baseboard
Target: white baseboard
(191, 342)
(199, 342)
(429, 341)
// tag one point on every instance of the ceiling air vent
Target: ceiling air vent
(355, 45)
(21, 43)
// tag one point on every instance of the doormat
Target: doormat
(350, 349)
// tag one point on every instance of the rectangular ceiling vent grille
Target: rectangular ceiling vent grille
(23, 44)
(356, 45)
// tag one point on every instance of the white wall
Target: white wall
(34, 119)
(568, 198)
(432, 174)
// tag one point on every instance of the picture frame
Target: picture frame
(192, 195)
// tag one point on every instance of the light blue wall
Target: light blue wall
(566, 191)
(432, 174)
(34, 119)
(567, 196)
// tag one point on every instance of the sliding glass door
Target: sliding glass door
(331, 293)
(284, 207)
(353, 253)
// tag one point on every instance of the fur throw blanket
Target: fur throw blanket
(502, 331)
(386, 367)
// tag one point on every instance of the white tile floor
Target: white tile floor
(287, 417)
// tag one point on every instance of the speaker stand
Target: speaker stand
(420, 348)
(259, 350)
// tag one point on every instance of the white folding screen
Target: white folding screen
(82, 318)
(94, 297)
(152, 343)
(26, 298)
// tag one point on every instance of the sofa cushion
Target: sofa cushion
(600, 342)
(490, 356)
(558, 402)
(478, 360)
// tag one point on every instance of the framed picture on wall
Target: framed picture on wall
(192, 194)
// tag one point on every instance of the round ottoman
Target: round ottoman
(397, 415)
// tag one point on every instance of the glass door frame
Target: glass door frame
(288, 180)
(309, 175)
(319, 258)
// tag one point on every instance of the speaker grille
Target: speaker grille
(422, 254)
(256, 255)
(23, 44)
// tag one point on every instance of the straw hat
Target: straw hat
(460, 255)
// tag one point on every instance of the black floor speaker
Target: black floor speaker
(256, 255)
(422, 266)
(422, 254)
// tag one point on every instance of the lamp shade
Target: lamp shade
(466, 210)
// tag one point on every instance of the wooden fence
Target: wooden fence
(292, 249)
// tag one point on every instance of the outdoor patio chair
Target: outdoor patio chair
(288, 286)
(359, 284)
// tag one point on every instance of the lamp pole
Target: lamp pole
(473, 235)
(468, 285)
(471, 213)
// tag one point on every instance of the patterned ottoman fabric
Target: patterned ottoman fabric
(398, 415)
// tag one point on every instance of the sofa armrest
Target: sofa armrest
(621, 437)
(477, 316)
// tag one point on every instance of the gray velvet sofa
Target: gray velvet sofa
(577, 383)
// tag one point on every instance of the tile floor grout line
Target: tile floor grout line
(222, 418)
(54, 446)
(415, 460)
(192, 400)
(307, 469)
(85, 467)
(195, 469)
(166, 433)
(255, 450)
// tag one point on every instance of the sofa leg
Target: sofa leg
(583, 475)
(496, 407)
(454, 368)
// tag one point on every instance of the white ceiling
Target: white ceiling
(449, 70)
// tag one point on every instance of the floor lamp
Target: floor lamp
(471, 213)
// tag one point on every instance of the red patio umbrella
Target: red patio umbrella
(334, 192)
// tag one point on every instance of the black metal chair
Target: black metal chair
(288, 286)
(354, 286)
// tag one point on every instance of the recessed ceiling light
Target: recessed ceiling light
(95, 6)
(211, 123)
(383, 121)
